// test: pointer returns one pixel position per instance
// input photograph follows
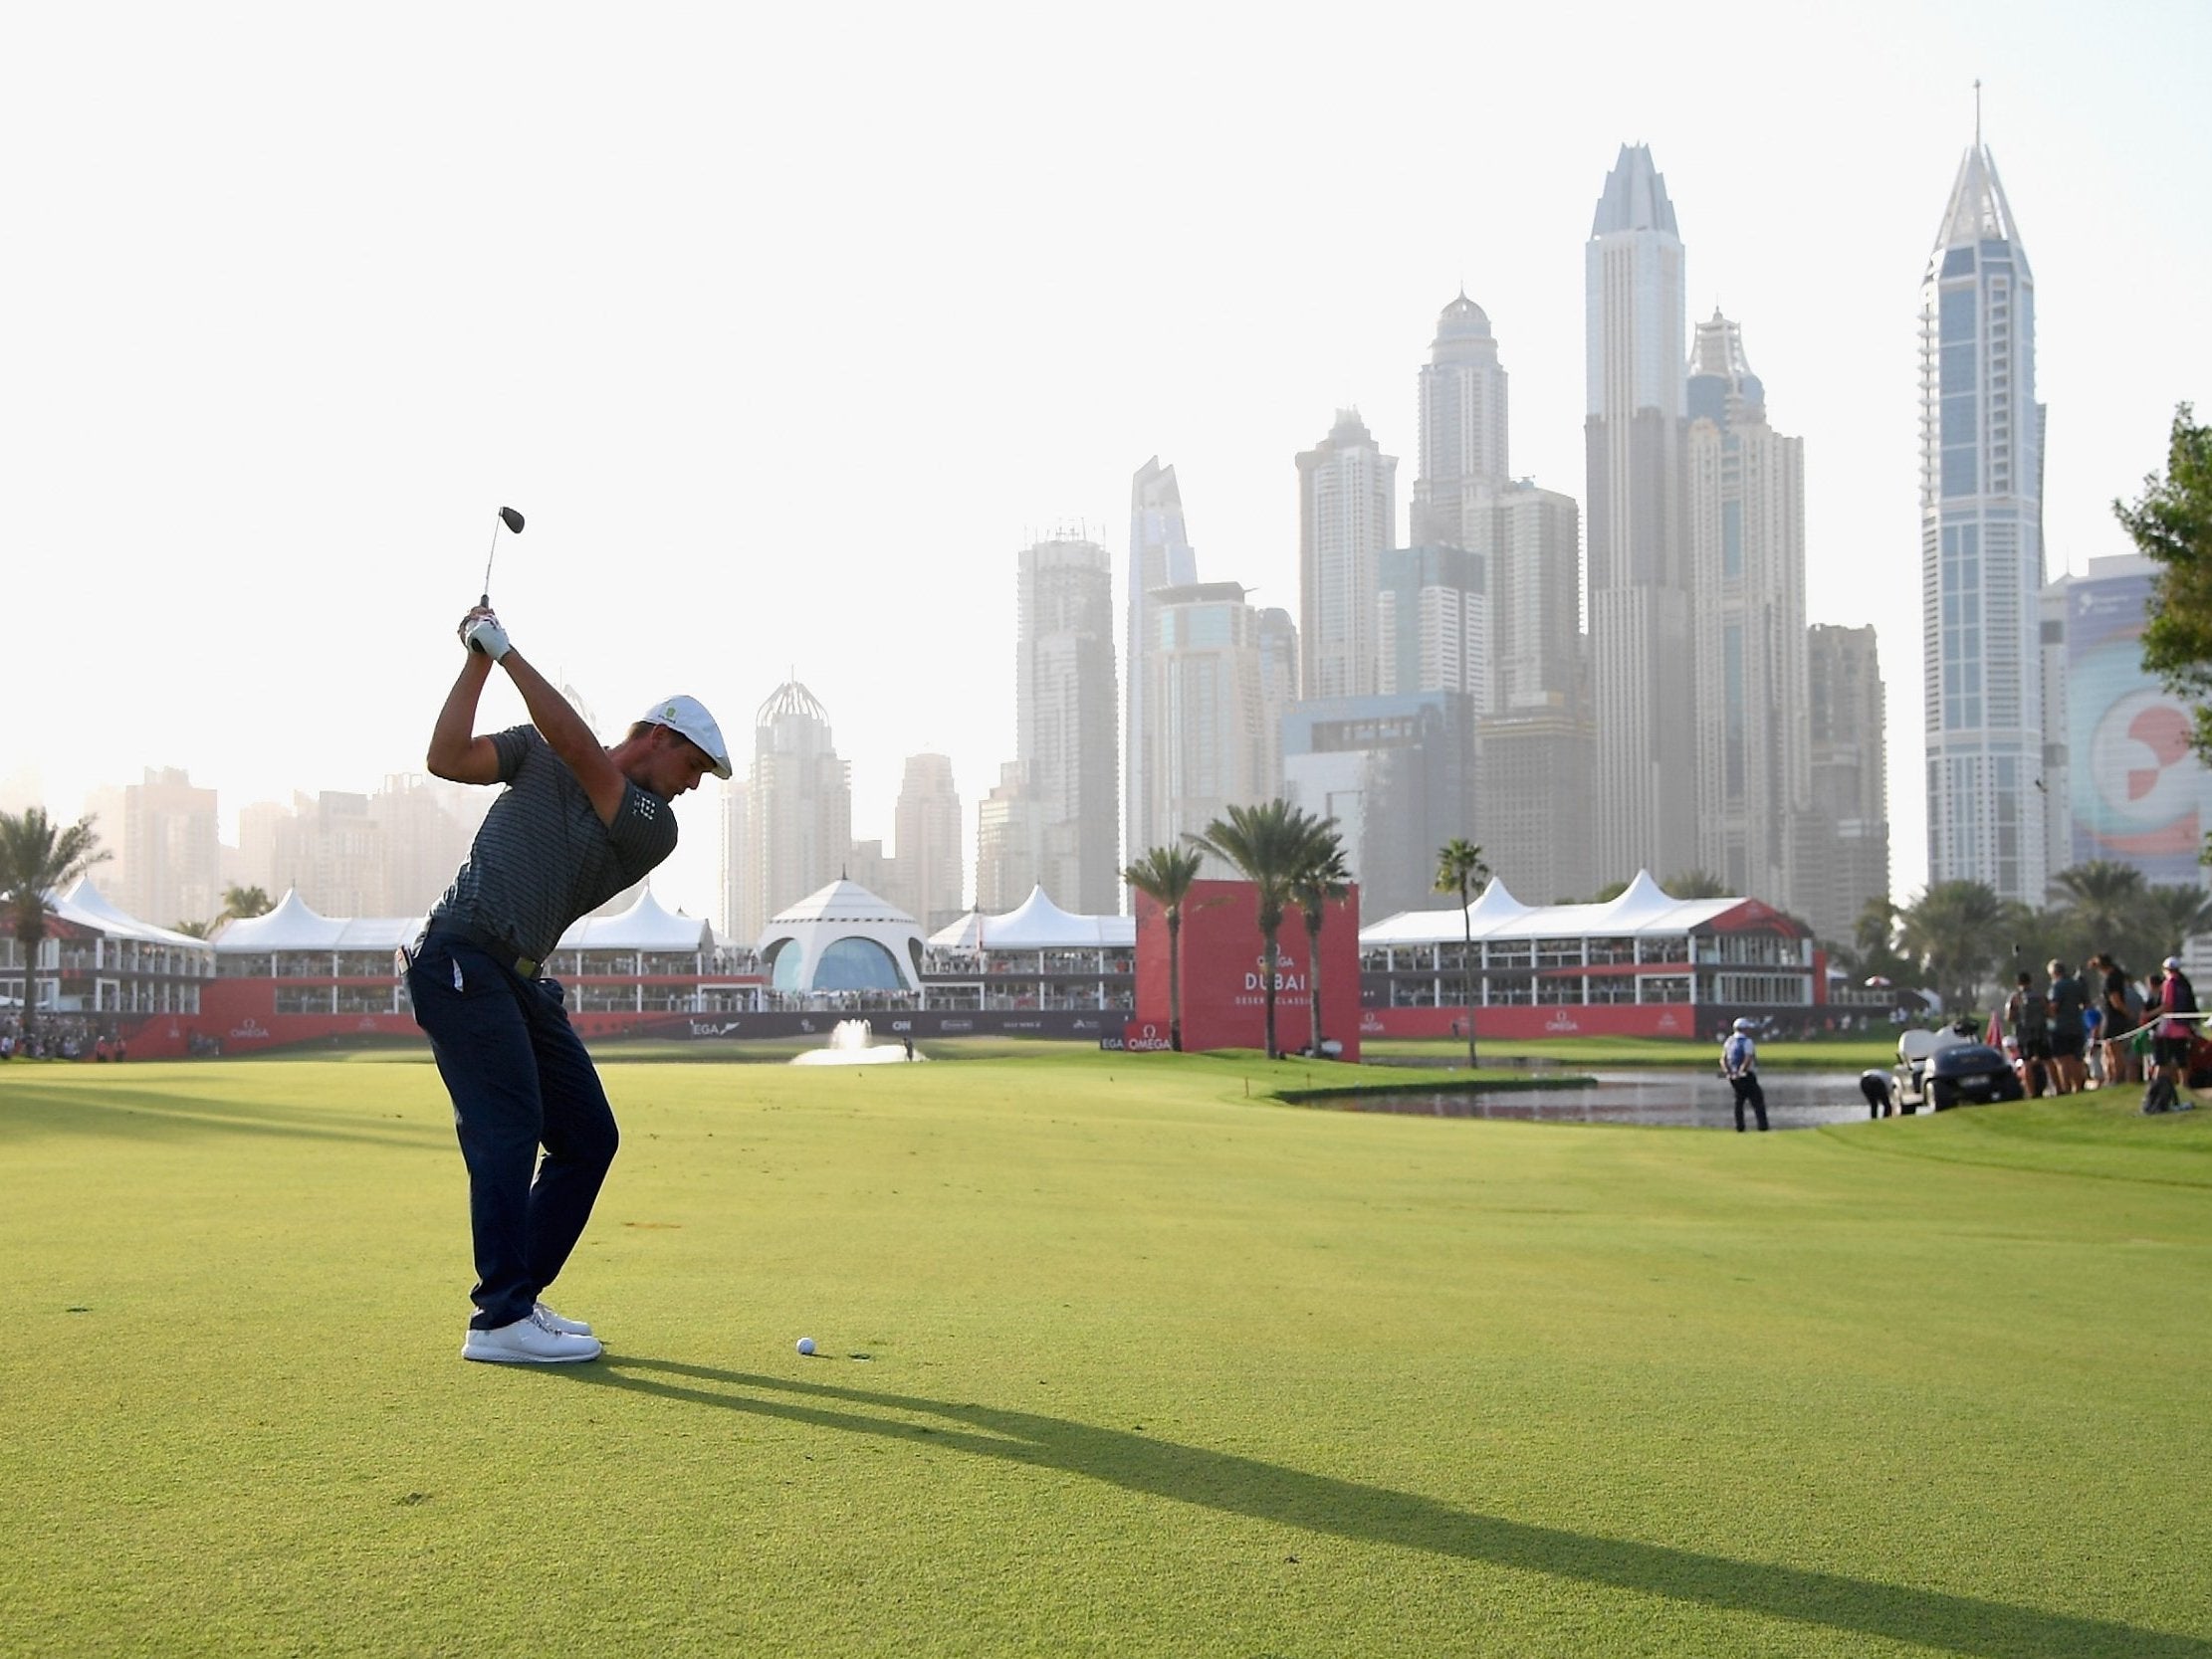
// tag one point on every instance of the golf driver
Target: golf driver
(513, 521)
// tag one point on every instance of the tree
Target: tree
(1325, 881)
(1695, 884)
(36, 859)
(2100, 904)
(2171, 523)
(1267, 845)
(1956, 931)
(2171, 915)
(1460, 870)
(239, 903)
(194, 929)
(1164, 875)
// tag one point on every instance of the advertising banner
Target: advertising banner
(1223, 974)
(2138, 791)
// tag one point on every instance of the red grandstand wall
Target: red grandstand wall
(1224, 1001)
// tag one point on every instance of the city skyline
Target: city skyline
(256, 474)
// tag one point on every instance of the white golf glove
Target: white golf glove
(483, 634)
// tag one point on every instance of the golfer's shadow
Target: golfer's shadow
(1348, 1508)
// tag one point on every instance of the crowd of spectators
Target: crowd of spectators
(60, 1037)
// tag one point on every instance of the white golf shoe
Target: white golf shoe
(553, 1322)
(527, 1342)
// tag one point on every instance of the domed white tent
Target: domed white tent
(842, 937)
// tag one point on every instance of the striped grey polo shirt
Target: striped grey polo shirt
(543, 858)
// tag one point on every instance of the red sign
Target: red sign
(1224, 972)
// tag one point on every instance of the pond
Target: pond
(1672, 1099)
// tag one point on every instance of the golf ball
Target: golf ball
(806, 1344)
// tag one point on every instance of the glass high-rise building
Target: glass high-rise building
(1159, 556)
(1745, 489)
(1462, 426)
(798, 809)
(1981, 545)
(1067, 713)
(1347, 517)
(1641, 623)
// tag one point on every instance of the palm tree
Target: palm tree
(2170, 915)
(1952, 929)
(1267, 845)
(239, 903)
(1163, 875)
(2102, 903)
(1460, 870)
(36, 858)
(1695, 884)
(1324, 882)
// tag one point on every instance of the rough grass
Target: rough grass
(1152, 1365)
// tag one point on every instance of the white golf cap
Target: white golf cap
(2172, 962)
(1745, 1024)
(688, 717)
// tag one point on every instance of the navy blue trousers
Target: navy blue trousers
(520, 1080)
(1747, 1089)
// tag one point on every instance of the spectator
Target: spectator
(2067, 1002)
(1876, 1087)
(2123, 1011)
(2177, 1033)
(2028, 1017)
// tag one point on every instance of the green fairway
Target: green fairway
(1119, 1356)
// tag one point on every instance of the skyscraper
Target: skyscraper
(1432, 623)
(1848, 826)
(1213, 747)
(1068, 718)
(927, 874)
(1159, 556)
(169, 858)
(1462, 426)
(1640, 602)
(798, 803)
(1537, 746)
(1981, 545)
(1347, 516)
(1007, 842)
(1747, 521)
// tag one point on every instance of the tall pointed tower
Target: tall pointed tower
(1981, 545)
(1640, 602)
(1159, 556)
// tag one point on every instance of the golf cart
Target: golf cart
(1952, 1067)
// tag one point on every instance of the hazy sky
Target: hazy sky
(789, 330)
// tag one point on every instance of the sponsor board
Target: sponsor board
(1111, 1043)
(1144, 1037)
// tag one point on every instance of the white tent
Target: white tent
(796, 946)
(88, 906)
(1641, 908)
(1036, 924)
(646, 925)
(295, 926)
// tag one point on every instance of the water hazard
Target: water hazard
(1675, 1099)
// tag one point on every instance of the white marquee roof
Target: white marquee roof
(1641, 908)
(295, 926)
(88, 906)
(1036, 924)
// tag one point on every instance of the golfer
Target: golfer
(1739, 1064)
(577, 824)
